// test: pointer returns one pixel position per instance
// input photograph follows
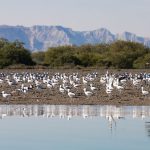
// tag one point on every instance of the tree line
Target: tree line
(120, 54)
(12, 53)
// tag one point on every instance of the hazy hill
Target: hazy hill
(42, 37)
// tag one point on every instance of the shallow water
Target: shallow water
(74, 127)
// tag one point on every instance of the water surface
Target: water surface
(50, 127)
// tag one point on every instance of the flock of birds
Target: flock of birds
(69, 83)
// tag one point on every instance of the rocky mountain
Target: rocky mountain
(41, 37)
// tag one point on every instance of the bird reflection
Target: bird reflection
(111, 122)
(110, 113)
(2, 116)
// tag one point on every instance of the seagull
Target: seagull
(84, 81)
(119, 87)
(24, 87)
(1, 81)
(5, 95)
(49, 85)
(108, 90)
(144, 92)
(61, 89)
(92, 87)
(71, 94)
(76, 85)
(11, 82)
(87, 93)
(102, 80)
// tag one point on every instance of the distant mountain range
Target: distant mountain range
(39, 38)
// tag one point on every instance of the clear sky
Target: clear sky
(116, 15)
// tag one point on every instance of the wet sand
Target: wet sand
(130, 95)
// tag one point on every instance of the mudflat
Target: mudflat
(41, 93)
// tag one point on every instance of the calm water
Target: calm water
(74, 128)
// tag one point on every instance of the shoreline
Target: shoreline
(77, 101)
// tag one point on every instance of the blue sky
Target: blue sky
(116, 15)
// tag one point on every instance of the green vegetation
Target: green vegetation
(12, 53)
(38, 57)
(121, 54)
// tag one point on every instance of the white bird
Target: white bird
(66, 87)
(62, 90)
(1, 81)
(76, 85)
(87, 93)
(108, 90)
(144, 92)
(49, 85)
(5, 95)
(102, 80)
(54, 84)
(24, 87)
(136, 82)
(11, 82)
(24, 91)
(119, 87)
(71, 94)
(93, 88)
(30, 80)
(84, 81)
